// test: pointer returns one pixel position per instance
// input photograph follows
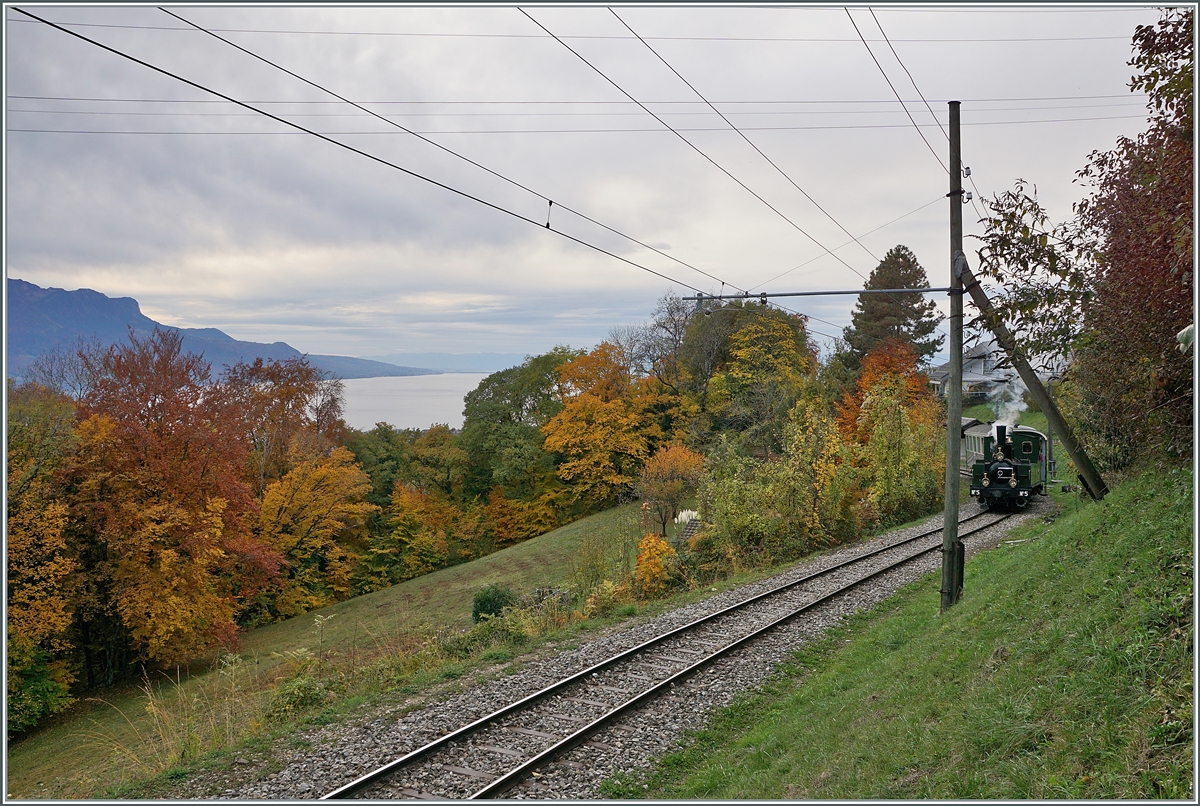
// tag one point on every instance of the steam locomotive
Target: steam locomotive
(1009, 467)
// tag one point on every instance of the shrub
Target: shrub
(491, 601)
(504, 630)
(295, 695)
(605, 598)
(653, 566)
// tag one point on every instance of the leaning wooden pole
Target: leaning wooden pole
(1088, 475)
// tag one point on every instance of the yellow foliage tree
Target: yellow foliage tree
(419, 541)
(315, 516)
(653, 566)
(601, 432)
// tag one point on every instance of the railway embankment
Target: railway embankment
(324, 758)
(1065, 672)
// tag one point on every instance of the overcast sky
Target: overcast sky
(132, 183)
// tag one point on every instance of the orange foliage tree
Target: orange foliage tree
(599, 432)
(667, 477)
(891, 420)
(161, 509)
(895, 360)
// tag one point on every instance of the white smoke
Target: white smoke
(1008, 401)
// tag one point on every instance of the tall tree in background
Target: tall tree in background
(293, 412)
(907, 317)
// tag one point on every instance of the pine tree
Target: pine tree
(907, 317)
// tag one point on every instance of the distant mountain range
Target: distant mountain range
(455, 362)
(41, 319)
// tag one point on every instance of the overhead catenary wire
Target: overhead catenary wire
(749, 142)
(700, 152)
(399, 114)
(351, 148)
(583, 131)
(894, 92)
(847, 243)
(913, 81)
(375, 158)
(573, 102)
(691, 145)
(458, 34)
(758, 150)
(482, 167)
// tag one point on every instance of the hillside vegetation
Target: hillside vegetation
(1065, 672)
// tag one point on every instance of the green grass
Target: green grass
(1065, 672)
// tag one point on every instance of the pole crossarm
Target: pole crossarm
(701, 297)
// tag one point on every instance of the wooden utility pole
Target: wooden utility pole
(952, 547)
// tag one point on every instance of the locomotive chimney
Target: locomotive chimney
(1001, 440)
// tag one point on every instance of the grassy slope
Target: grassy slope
(1065, 672)
(89, 734)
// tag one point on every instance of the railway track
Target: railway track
(494, 753)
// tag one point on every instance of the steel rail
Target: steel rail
(513, 777)
(370, 778)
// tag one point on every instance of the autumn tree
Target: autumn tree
(315, 517)
(599, 433)
(890, 360)
(1113, 286)
(39, 568)
(667, 478)
(769, 363)
(420, 540)
(825, 486)
(905, 317)
(292, 410)
(161, 511)
(892, 424)
(1135, 387)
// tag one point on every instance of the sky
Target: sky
(127, 181)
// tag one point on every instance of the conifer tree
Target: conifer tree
(909, 318)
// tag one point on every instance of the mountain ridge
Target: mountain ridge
(40, 320)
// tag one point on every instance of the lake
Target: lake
(410, 401)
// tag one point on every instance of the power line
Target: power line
(585, 131)
(913, 81)
(742, 135)
(889, 83)
(444, 148)
(692, 146)
(492, 114)
(589, 103)
(348, 147)
(455, 34)
(847, 243)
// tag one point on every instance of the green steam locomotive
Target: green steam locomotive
(1009, 466)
